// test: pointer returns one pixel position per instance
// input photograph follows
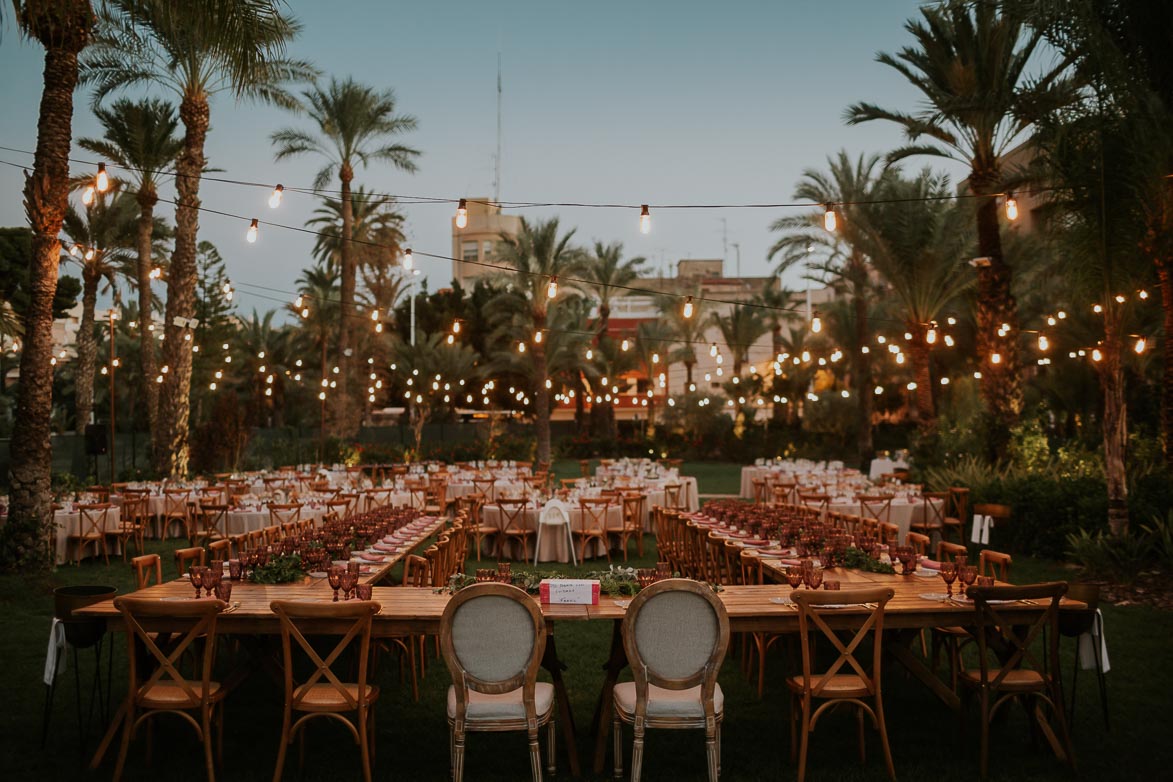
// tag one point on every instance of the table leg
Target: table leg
(555, 667)
(111, 732)
(899, 646)
(601, 722)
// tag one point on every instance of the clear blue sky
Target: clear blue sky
(682, 101)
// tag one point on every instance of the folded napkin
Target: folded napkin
(1087, 649)
(794, 562)
(981, 529)
(383, 547)
(56, 650)
(930, 564)
(755, 542)
(367, 556)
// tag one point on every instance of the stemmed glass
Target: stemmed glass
(195, 574)
(794, 576)
(347, 582)
(949, 575)
(334, 578)
(813, 576)
(967, 574)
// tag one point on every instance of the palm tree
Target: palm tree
(970, 64)
(264, 361)
(740, 328)
(566, 360)
(194, 50)
(431, 356)
(652, 339)
(354, 126)
(102, 236)
(606, 277)
(63, 29)
(318, 291)
(775, 302)
(139, 137)
(537, 254)
(838, 258)
(914, 241)
(686, 332)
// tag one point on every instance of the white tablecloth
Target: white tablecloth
(903, 512)
(69, 523)
(883, 465)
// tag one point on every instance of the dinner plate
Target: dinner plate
(782, 601)
(936, 597)
(926, 573)
(839, 605)
(318, 574)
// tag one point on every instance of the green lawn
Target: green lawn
(412, 736)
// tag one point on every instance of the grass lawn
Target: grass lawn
(412, 743)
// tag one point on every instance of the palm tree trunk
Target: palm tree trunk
(541, 394)
(1166, 279)
(171, 445)
(345, 423)
(862, 370)
(87, 348)
(777, 414)
(148, 366)
(23, 538)
(581, 423)
(918, 350)
(1001, 382)
(1115, 423)
(688, 365)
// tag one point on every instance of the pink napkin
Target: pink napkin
(930, 564)
(755, 542)
(370, 557)
(794, 562)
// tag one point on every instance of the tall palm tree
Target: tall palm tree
(318, 288)
(776, 302)
(740, 328)
(102, 235)
(838, 258)
(354, 125)
(606, 277)
(63, 28)
(194, 50)
(914, 241)
(431, 355)
(652, 339)
(139, 136)
(265, 356)
(537, 253)
(970, 63)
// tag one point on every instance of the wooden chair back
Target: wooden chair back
(513, 516)
(999, 513)
(186, 557)
(138, 614)
(994, 563)
(144, 566)
(94, 519)
(919, 543)
(415, 572)
(282, 514)
(936, 508)
(889, 532)
(672, 496)
(295, 616)
(220, 550)
(958, 502)
(594, 513)
(946, 551)
(214, 520)
(875, 506)
(812, 627)
(1016, 639)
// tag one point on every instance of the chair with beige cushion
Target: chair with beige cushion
(493, 637)
(675, 634)
(159, 687)
(323, 694)
(850, 680)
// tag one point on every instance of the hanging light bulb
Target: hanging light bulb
(75, 251)
(408, 260)
(713, 350)
(830, 220)
(275, 198)
(625, 346)
(1061, 315)
(645, 219)
(462, 213)
(455, 327)
(90, 253)
(931, 336)
(688, 308)
(1142, 294)
(1011, 207)
(87, 195)
(655, 358)
(305, 312)
(590, 354)
(995, 358)
(102, 180)
(1097, 308)
(1141, 344)
(1097, 355)
(520, 347)
(816, 324)
(299, 302)
(537, 336)
(1044, 343)
(451, 339)
(1119, 298)
(552, 288)
(253, 229)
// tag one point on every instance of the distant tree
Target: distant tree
(16, 246)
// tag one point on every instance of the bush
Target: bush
(1118, 557)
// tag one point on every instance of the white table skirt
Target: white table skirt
(69, 523)
(555, 547)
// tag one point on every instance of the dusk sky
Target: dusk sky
(670, 102)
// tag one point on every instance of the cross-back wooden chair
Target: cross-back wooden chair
(93, 527)
(675, 672)
(849, 680)
(514, 524)
(484, 487)
(132, 522)
(1001, 514)
(889, 533)
(947, 551)
(592, 524)
(875, 506)
(932, 514)
(955, 518)
(220, 550)
(213, 520)
(1005, 633)
(255, 539)
(175, 511)
(284, 513)
(633, 527)
(492, 637)
(920, 543)
(816, 501)
(144, 566)
(761, 491)
(324, 694)
(166, 690)
(417, 492)
(782, 492)
(994, 563)
(673, 496)
(186, 557)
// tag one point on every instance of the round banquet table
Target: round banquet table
(554, 544)
(68, 522)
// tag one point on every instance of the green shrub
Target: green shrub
(1118, 557)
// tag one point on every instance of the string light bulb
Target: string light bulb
(1011, 207)
(931, 336)
(275, 197)
(1142, 294)
(1140, 346)
(688, 308)
(1097, 355)
(299, 302)
(254, 228)
(455, 327)
(520, 347)
(995, 358)
(102, 180)
(537, 336)
(645, 219)
(552, 288)
(625, 346)
(75, 251)
(462, 213)
(408, 260)
(1097, 308)
(830, 220)
(1044, 343)
(713, 350)
(816, 324)
(90, 253)
(87, 195)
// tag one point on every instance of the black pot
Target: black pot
(81, 632)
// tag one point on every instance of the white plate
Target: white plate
(318, 574)
(782, 601)
(927, 573)
(839, 605)
(936, 597)
(621, 603)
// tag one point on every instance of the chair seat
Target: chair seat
(326, 697)
(169, 695)
(958, 631)
(506, 706)
(929, 524)
(952, 522)
(668, 703)
(1019, 680)
(840, 685)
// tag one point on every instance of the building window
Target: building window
(468, 251)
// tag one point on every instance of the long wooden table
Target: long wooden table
(406, 610)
